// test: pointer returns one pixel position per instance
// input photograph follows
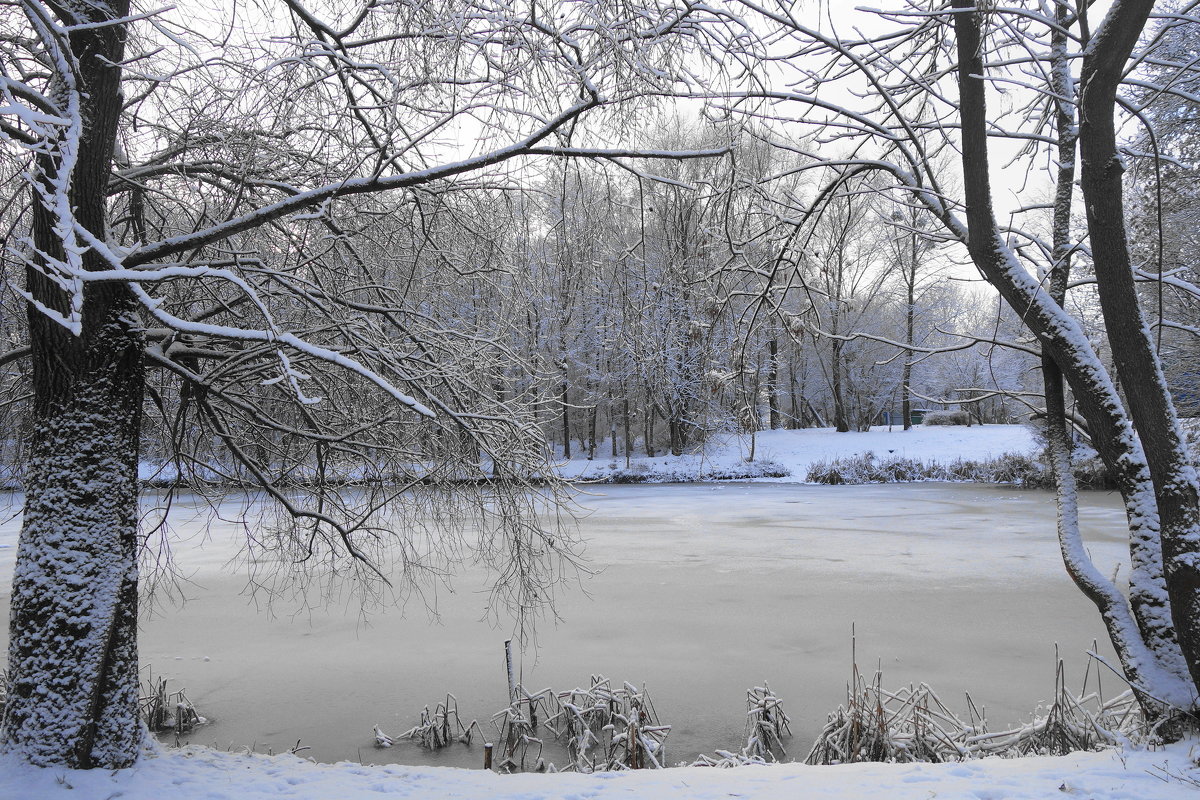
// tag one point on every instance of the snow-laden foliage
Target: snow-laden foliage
(946, 418)
(666, 472)
(1015, 468)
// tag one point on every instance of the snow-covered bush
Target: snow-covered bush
(668, 472)
(866, 468)
(1015, 468)
(1011, 468)
(744, 470)
(848, 469)
(946, 418)
(1089, 470)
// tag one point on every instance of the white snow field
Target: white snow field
(201, 774)
(703, 591)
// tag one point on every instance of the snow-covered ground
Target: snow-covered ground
(201, 774)
(796, 451)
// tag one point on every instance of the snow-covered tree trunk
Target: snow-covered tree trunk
(1138, 367)
(1141, 628)
(72, 657)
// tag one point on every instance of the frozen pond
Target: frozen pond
(704, 591)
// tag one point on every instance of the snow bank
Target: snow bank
(793, 452)
(196, 772)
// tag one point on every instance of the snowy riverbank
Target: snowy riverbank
(195, 773)
(794, 452)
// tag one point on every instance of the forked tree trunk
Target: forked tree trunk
(1141, 628)
(1150, 405)
(72, 656)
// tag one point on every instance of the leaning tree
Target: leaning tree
(216, 219)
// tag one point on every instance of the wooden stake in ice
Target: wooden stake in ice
(512, 686)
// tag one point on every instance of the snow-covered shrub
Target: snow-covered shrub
(946, 418)
(745, 470)
(898, 469)
(848, 469)
(866, 468)
(1014, 468)
(1089, 469)
(1090, 472)
(669, 472)
(966, 470)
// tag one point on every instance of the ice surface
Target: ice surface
(704, 591)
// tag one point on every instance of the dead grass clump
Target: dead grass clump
(517, 725)
(610, 729)
(1086, 721)
(164, 711)
(437, 729)
(724, 759)
(914, 725)
(911, 724)
(766, 725)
